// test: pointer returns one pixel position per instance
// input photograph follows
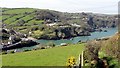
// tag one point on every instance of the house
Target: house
(48, 21)
(11, 39)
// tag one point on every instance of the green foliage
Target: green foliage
(34, 28)
(5, 36)
(103, 53)
(112, 62)
(51, 44)
(13, 16)
(12, 51)
(17, 39)
(18, 11)
(45, 15)
(27, 50)
(5, 17)
(91, 51)
(42, 48)
(20, 22)
(4, 52)
(111, 46)
(12, 19)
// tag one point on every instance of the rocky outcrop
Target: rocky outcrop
(23, 43)
(66, 32)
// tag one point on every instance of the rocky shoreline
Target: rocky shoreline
(12, 40)
(23, 43)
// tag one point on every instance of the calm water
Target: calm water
(94, 35)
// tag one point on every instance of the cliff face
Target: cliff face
(65, 32)
(103, 21)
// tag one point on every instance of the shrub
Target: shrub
(4, 52)
(51, 44)
(42, 47)
(20, 22)
(35, 28)
(91, 51)
(12, 51)
(27, 50)
(35, 48)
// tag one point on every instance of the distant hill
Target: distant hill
(50, 24)
(30, 16)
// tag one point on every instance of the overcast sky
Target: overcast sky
(96, 6)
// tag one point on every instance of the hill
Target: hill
(49, 57)
(31, 16)
(52, 25)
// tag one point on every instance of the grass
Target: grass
(20, 11)
(27, 17)
(12, 19)
(0, 18)
(17, 11)
(5, 16)
(35, 22)
(49, 57)
(38, 32)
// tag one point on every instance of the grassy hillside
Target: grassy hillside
(10, 16)
(27, 17)
(49, 57)
(13, 15)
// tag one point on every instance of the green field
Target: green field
(49, 57)
(18, 10)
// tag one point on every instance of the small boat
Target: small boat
(63, 44)
(71, 39)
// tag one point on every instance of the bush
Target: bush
(91, 51)
(42, 47)
(51, 44)
(4, 53)
(20, 23)
(36, 48)
(27, 50)
(113, 63)
(12, 51)
(35, 28)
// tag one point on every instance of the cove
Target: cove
(94, 35)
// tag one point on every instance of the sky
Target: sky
(95, 6)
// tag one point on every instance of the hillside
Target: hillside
(31, 16)
(104, 52)
(111, 46)
(52, 25)
(10, 16)
(56, 56)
